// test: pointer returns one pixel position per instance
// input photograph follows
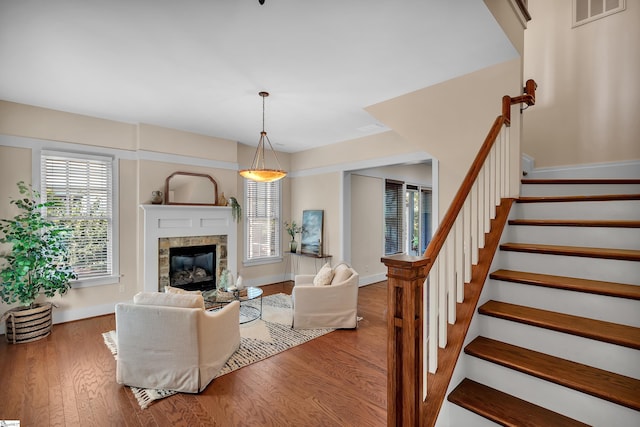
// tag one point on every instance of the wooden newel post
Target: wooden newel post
(406, 275)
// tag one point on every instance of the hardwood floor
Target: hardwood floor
(339, 379)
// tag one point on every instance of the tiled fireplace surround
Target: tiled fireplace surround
(178, 225)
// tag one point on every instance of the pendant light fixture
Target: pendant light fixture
(258, 172)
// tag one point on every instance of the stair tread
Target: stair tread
(614, 333)
(576, 223)
(607, 253)
(613, 289)
(603, 384)
(590, 198)
(505, 409)
(615, 181)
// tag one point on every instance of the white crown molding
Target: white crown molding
(41, 144)
(399, 159)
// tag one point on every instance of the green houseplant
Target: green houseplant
(34, 262)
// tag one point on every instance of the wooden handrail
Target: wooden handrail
(406, 276)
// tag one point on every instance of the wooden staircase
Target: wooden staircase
(557, 334)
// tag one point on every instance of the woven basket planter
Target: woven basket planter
(28, 324)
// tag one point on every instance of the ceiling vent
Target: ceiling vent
(585, 11)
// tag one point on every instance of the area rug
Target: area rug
(259, 340)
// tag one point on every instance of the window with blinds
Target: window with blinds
(262, 225)
(393, 207)
(80, 190)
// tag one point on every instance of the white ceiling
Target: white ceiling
(198, 65)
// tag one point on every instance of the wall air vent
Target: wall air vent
(585, 11)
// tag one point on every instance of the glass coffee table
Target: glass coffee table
(250, 302)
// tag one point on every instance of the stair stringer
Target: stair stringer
(450, 414)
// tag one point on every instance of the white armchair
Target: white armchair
(331, 303)
(169, 341)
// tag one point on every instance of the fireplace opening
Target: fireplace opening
(192, 268)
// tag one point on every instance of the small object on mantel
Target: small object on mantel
(156, 197)
(222, 201)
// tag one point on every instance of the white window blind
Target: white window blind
(262, 201)
(80, 188)
(393, 206)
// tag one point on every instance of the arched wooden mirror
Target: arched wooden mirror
(188, 188)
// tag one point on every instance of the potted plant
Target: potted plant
(35, 262)
(292, 229)
(236, 209)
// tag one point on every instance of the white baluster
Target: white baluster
(442, 298)
(459, 257)
(480, 200)
(492, 184)
(451, 276)
(433, 319)
(467, 239)
(474, 223)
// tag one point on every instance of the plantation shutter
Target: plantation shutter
(393, 207)
(79, 187)
(263, 220)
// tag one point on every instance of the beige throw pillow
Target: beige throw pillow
(324, 276)
(173, 290)
(341, 273)
(169, 300)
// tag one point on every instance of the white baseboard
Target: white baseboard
(374, 278)
(527, 163)
(63, 316)
(627, 169)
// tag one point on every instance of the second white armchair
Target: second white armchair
(331, 303)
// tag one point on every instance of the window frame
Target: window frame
(277, 233)
(114, 276)
(622, 6)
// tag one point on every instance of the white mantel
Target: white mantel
(179, 220)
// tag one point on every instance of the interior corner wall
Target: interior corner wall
(450, 120)
(588, 95)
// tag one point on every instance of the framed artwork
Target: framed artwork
(312, 223)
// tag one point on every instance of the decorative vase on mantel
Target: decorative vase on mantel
(293, 246)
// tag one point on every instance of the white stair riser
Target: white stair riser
(610, 357)
(559, 265)
(572, 403)
(577, 189)
(613, 210)
(459, 416)
(595, 237)
(600, 307)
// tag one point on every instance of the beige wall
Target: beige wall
(588, 98)
(137, 179)
(42, 123)
(367, 225)
(320, 192)
(450, 120)
(385, 144)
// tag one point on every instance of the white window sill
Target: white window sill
(262, 261)
(96, 281)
